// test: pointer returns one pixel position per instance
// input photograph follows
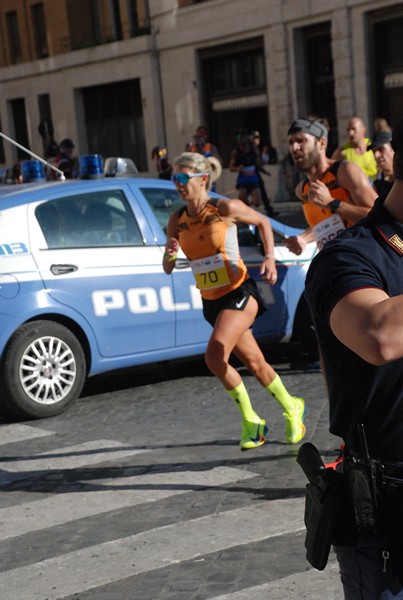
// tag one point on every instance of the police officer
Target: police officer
(355, 289)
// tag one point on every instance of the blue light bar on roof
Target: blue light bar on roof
(90, 166)
(32, 170)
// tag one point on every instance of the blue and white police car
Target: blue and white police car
(82, 290)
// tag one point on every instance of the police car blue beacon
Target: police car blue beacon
(82, 290)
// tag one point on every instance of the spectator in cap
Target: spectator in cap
(384, 154)
(334, 194)
(357, 148)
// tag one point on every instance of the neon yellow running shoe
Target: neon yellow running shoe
(294, 422)
(253, 434)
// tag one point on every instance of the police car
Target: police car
(82, 290)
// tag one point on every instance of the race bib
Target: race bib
(327, 230)
(210, 272)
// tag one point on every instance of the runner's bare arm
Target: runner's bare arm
(172, 245)
(238, 212)
(354, 180)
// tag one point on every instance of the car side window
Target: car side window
(248, 235)
(163, 203)
(97, 219)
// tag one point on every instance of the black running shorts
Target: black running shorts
(235, 300)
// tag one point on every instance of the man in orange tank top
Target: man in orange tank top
(337, 192)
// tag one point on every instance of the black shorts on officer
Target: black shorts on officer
(235, 300)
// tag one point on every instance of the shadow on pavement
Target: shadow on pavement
(285, 358)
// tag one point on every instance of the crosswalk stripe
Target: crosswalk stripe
(20, 433)
(309, 585)
(71, 457)
(112, 561)
(103, 495)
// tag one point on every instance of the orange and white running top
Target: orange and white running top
(313, 213)
(211, 245)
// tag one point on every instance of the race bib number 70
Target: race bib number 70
(210, 272)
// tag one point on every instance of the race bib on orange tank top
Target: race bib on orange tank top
(210, 272)
(327, 230)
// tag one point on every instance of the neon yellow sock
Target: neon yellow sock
(279, 391)
(241, 398)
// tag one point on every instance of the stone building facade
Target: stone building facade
(122, 76)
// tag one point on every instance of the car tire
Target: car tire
(304, 331)
(42, 371)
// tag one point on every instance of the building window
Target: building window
(139, 19)
(20, 126)
(234, 92)
(116, 30)
(85, 27)
(114, 121)
(133, 16)
(45, 127)
(237, 73)
(13, 36)
(315, 77)
(39, 26)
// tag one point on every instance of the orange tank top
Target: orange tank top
(211, 245)
(316, 214)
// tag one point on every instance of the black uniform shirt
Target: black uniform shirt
(382, 186)
(367, 255)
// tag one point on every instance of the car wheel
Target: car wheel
(43, 370)
(304, 330)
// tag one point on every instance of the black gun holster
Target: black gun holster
(326, 507)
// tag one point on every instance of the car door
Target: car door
(282, 299)
(99, 262)
(191, 328)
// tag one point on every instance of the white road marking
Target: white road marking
(112, 561)
(105, 495)
(20, 433)
(71, 457)
(309, 584)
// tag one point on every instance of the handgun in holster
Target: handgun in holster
(325, 504)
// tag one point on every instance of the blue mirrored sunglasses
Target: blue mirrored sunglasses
(183, 178)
